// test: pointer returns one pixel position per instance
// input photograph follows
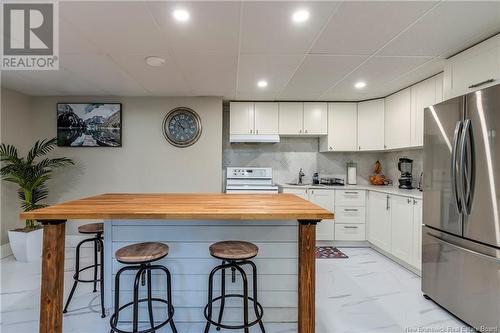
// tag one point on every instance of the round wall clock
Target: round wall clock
(182, 127)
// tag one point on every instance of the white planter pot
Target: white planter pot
(26, 246)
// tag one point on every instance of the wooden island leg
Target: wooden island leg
(51, 300)
(307, 276)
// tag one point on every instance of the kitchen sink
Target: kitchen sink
(296, 184)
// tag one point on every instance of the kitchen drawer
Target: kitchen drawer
(349, 232)
(349, 198)
(350, 214)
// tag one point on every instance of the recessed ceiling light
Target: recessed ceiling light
(181, 15)
(155, 61)
(262, 84)
(300, 16)
(360, 85)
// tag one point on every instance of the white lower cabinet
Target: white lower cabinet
(325, 230)
(349, 232)
(401, 227)
(395, 226)
(416, 259)
(379, 220)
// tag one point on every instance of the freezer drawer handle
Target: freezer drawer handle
(479, 84)
(478, 254)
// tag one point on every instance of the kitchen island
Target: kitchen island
(189, 214)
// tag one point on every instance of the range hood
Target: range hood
(254, 138)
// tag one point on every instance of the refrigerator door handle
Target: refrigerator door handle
(479, 254)
(454, 167)
(466, 167)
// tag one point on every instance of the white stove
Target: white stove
(250, 180)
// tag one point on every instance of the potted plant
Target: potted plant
(30, 174)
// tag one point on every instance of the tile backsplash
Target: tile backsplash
(293, 153)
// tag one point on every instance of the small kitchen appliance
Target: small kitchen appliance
(405, 166)
(242, 180)
(351, 173)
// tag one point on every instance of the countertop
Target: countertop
(416, 194)
(217, 206)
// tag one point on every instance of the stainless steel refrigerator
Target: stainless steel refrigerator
(461, 199)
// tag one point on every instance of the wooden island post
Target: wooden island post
(179, 207)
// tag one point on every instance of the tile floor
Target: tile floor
(365, 293)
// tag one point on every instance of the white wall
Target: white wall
(146, 162)
(16, 128)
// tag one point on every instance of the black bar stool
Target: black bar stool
(234, 255)
(97, 229)
(141, 256)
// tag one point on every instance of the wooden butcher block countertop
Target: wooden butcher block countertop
(217, 206)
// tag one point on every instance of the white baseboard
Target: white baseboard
(5, 251)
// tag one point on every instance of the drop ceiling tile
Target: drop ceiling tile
(101, 71)
(275, 69)
(71, 41)
(363, 27)
(267, 27)
(166, 80)
(213, 26)
(115, 26)
(376, 72)
(209, 74)
(444, 30)
(319, 72)
(420, 73)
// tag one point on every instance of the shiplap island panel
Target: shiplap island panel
(189, 222)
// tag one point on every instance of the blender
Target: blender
(405, 166)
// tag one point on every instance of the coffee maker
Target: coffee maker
(405, 166)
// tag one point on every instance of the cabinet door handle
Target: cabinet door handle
(359, 147)
(409, 201)
(350, 210)
(300, 131)
(387, 203)
(350, 227)
(251, 131)
(351, 192)
(257, 131)
(306, 131)
(414, 201)
(475, 85)
(331, 148)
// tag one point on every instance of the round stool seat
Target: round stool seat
(91, 228)
(233, 250)
(141, 252)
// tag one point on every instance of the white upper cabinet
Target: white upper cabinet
(423, 95)
(266, 118)
(297, 118)
(397, 120)
(249, 118)
(439, 88)
(241, 118)
(371, 125)
(473, 69)
(342, 128)
(291, 118)
(315, 118)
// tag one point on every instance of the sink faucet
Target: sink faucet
(301, 175)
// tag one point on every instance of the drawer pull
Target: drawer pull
(350, 210)
(350, 227)
(475, 85)
(351, 192)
